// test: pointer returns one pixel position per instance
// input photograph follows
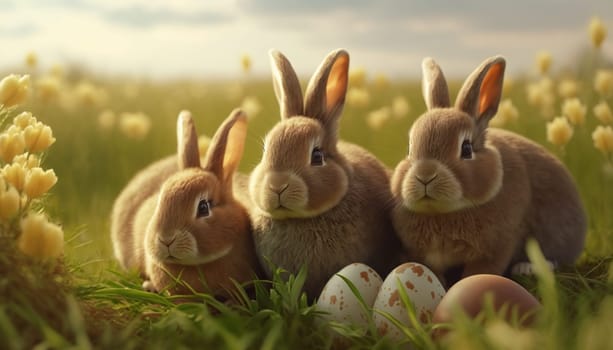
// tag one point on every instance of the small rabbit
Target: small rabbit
(176, 218)
(317, 201)
(467, 197)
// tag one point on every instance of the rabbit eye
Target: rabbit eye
(467, 150)
(317, 157)
(204, 208)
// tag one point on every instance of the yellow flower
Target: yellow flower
(38, 137)
(400, 107)
(106, 119)
(24, 119)
(9, 201)
(603, 82)
(246, 63)
(541, 94)
(203, 144)
(12, 143)
(15, 174)
(357, 77)
(27, 161)
(39, 182)
(543, 62)
(507, 112)
(378, 117)
(603, 139)
(134, 125)
(568, 88)
(598, 32)
(381, 81)
(48, 88)
(251, 106)
(574, 110)
(40, 238)
(559, 131)
(89, 94)
(14, 90)
(603, 112)
(57, 71)
(31, 59)
(357, 97)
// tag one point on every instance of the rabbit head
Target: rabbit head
(450, 164)
(291, 180)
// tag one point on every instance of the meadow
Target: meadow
(106, 128)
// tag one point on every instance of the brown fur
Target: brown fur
(482, 210)
(330, 215)
(166, 212)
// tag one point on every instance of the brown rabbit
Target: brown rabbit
(468, 196)
(317, 201)
(176, 218)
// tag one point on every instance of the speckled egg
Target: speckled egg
(469, 294)
(340, 302)
(421, 286)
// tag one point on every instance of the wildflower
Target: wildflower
(106, 119)
(135, 125)
(574, 110)
(12, 143)
(568, 88)
(89, 94)
(357, 97)
(400, 107)
(381, 81)
(14, 90)
(559, 131)
(203, 144)
(507, 112)
(15, 174)
(40, 238)
(39, 182)
(9, 201)
(603, 112)
(38, 137)
(251, 106)
(31, 59)
(27, 161)
(543, 62)
(24, 119)
(357, 77)
(48, 88)
(603, 82)
(603, 139)
(541, 94)
(378, 117)
(598, 32)
(246, 63)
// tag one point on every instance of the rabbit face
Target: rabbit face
(299, 175)
(187, 228)
(445, 170)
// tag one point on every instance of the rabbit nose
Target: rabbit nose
(278, 188)
(426, 179)
(167, 241)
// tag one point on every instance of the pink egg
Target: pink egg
(469, 294)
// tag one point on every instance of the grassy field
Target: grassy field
(85, 301)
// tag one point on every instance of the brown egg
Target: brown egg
(470, 294)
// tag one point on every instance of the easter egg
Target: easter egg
(469, 295)
(421, 286)
(339, 302)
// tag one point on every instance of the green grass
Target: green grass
(85, 301)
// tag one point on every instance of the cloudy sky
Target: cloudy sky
(205, 38)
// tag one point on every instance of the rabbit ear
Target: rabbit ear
(434, 86)
(480, 94)
(226, 149)
(187, 141)
(286, 85)
(325, 94)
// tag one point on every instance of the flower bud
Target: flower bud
(38, 137)
(12, 143)
(39, 238)
(39, 182)
(603, 139)
(15, 174)
(9, 203)
(14, 90)
(559, 131)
